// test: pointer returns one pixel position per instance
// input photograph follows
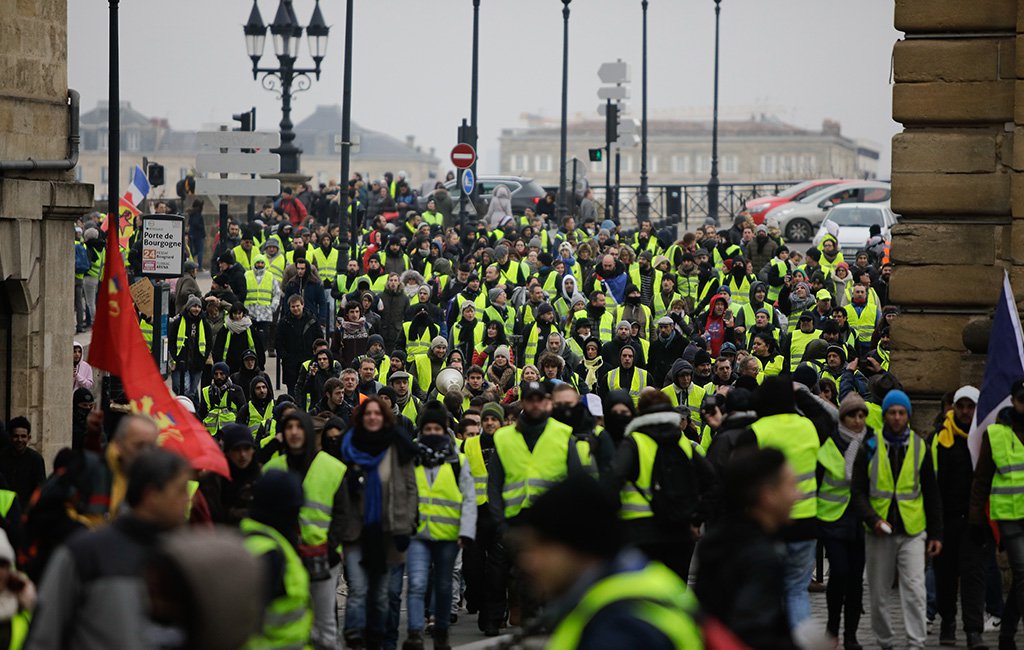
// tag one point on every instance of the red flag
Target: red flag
(118, 348)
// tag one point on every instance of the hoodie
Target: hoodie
(714, 328)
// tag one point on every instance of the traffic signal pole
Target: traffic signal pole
(607, 163)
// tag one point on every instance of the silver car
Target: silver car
(799, 220)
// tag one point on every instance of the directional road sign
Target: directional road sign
(238, 139)
(463, 155)
(238, 186)
(602, 108)
(238, 163)
(614, 93)
(468, 181)
(616, 72)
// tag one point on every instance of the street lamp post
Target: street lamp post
(474, 89)
(286, 78)
(643, 201)
(563, 207)
(346, 135)
(713, 181)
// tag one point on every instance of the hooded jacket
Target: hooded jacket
(715, 331)
(392, 316)
(310, 288)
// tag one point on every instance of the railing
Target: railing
(689, 201)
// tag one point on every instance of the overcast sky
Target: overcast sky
(802, 60)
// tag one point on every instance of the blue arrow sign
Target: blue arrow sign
(468, 182)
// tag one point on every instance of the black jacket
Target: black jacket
(294, 341)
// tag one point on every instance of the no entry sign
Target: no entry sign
(463, 156)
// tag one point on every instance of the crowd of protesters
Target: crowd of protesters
(547, 424)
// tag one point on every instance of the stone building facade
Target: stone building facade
(761, 148)
(37, 212)
(152, 137)
(957, 181)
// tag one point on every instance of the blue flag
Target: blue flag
(1003, 366)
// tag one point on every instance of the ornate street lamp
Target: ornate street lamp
(286, 79)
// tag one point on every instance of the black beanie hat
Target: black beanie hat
(276, 498)
(435, 412)
(775, 396)
(578, 513)
(235, 435)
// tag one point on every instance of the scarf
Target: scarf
(590, 367)
(354, 329)
(949, 431)
(435, 450)
(373, 504)
(853, 441)
(238, 326)
(896, 438)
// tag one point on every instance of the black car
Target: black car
(526, 192)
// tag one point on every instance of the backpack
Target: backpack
(81, 259)
(673, 487)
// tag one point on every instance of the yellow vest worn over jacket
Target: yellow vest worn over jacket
(288, 619)
(905, 488)
(440, 503)
(530, 474)
(1006, 500)
(323, 478)
(796, 437)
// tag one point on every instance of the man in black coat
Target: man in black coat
(666, 348)
(231, 275)
(296, 331)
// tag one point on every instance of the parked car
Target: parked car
(759, 207)
(526, 192)
(851, 223)
(798, 220)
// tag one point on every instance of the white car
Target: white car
(851, 223)
(798, 220)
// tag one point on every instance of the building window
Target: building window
(132, 140)
(103, 174)
(680, 164)
(542, 162)
(703, 164)
(768, 165)
(101, 139)
(182, 172)
(653, 164)
(730, 164)
(548, 165)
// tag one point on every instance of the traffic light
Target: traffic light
(155, 174)
(246, 120)
(596, 155)
(611, 125)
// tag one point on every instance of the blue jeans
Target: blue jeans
(396, 576)
(367, 603)
(185, 382)
(421, 555)
(796, 578)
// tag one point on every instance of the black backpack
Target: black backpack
(674, 493)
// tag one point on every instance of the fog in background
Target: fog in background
(800, 60)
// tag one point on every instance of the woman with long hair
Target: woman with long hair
(380, 516)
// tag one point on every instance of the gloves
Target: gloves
(401, 543)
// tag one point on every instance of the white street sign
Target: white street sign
(163, 245)
(629, 126)
(602, 108)
(238, 163)
(352, 148)
(616, 72)
(614, 93)
(238, 139)
(238, 186)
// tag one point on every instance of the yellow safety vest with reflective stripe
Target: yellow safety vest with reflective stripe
(834, 490)
(216, 414)
(782, 269)
(147, 332)
(508, 323)
(1006, 499)
(258, 293)
(883, 358)
(796, 437)
(478, 335)
(415, 347)
(323, 478)
(740, 295)
(276, 267)
(662, 306)
(797, 344)
(227, 341)
(180, 342)
(440, 503)
(637, 384)
(694, 398)
(530, 474)
(477, 467)
(411, 409)
(863, 324)
(257, 417)
(288, 619)
(645, 327)
(96, 268)
(423, 372)
(243, 258)
(376, 286)
(655, 594)
(326, 265)
(906, 488)
(636, 496)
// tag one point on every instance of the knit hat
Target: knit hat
(234, 435)
(438, 341)
(223, 367)
(90, 234)
(851, 404)
(659, 260)
(897, 397)
(493, 409)
(375, 338)
(648, 255)
(578, 513)
(193, 301)
(701, 357)
(806, 375)
(277, 496)
(534, 243)
(500, 252)
(190, 266)
(435, 412)
(493, 294)
(502, 351)
(544, 308)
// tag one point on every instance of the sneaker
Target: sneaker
(992, 622)
(491, 630)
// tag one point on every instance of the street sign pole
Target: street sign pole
(618, 167)
(223, 212)
(462, 195)
(573, 205)
(607, 167)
